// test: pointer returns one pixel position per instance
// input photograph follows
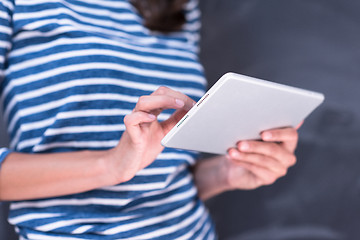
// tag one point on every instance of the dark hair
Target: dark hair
(162, 15)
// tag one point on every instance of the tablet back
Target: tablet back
(238, 108)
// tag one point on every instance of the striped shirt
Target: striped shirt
(70, 70)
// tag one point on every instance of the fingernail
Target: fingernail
(179, 102)
(151, 116)
(267, 136)
(244, 146)
(235, 154)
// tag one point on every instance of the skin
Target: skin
(250, 165)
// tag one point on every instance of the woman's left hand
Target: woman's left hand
(256, 163)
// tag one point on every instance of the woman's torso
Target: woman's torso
(75, 69)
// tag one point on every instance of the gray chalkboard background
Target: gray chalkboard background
(314, 44)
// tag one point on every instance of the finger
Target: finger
(152, 104)
(169, 123)
(132, 123)
(189, 103)
(287, 136)
(262, 176)
(259, 160)
(270, 149)
(299, 125)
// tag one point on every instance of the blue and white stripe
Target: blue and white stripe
(70, 70)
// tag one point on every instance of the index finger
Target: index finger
(288, 137)
(155, 104)
(188, 102)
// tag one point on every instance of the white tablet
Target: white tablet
(238, 108)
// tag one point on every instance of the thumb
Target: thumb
(168, 124)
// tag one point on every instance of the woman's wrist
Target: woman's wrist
(121, 162)
(211, 177)
(112, 167)
(104, 167)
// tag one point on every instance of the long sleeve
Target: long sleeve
(5, 45)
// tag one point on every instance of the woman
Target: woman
(82, 84)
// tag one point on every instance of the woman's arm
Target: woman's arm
(29, 176)
(32, 176)
(250, 165)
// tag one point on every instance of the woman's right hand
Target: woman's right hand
(32, 176)
(140, 142)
